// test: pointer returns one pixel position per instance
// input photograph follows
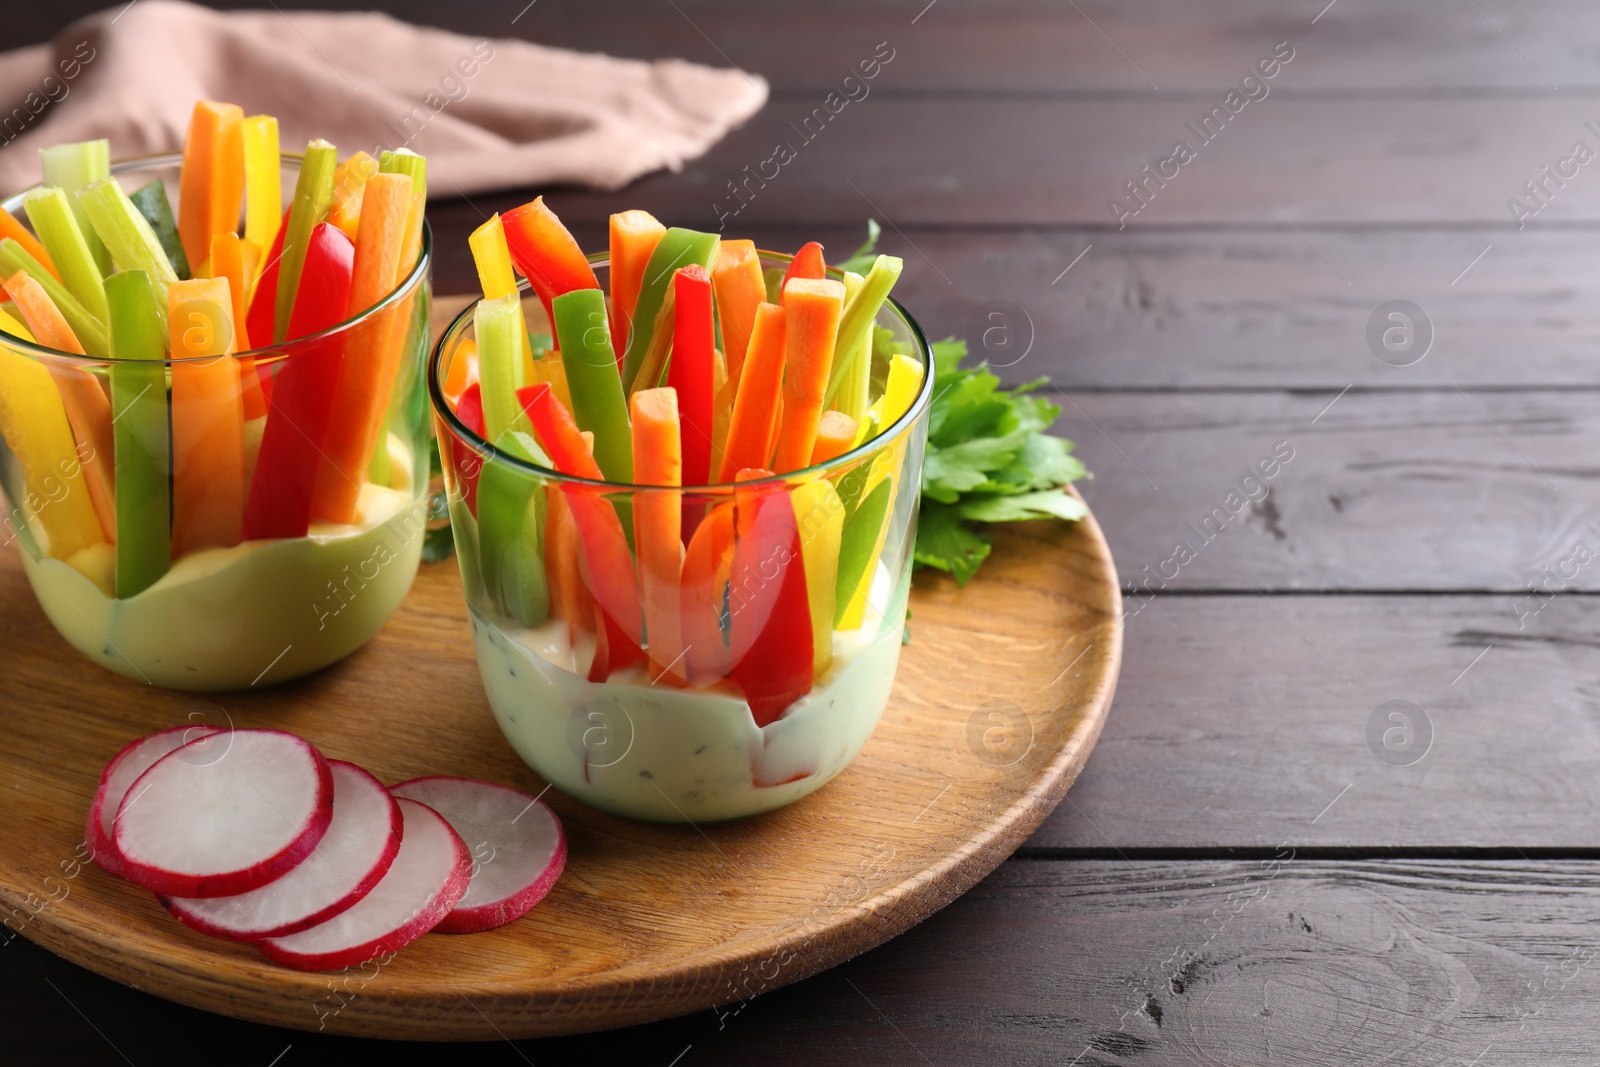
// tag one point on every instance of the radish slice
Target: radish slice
(352, 856)
(120, 773)
(518, 848)
(225, 814)
(425, 881)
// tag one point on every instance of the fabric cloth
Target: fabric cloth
(488, 114)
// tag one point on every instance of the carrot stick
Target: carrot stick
(211, 185)
(359, 406)
(760, 386)
(633, 237)
(740, 290)
(88, 408)
(811, 312)
(227, 262)
(836, 435)
(703, 592)
(10, 227)
(658, 523)
(207, 418)
(569, 600)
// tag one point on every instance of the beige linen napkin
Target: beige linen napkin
(487, 113)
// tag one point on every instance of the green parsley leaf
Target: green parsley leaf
(946, 542)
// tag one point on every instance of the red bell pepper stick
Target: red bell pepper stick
(807, 263)
(545, 253)
(469, 409)
(302, 398)
(607, 563)
(693, 368)
(771, 617)
(263, 306)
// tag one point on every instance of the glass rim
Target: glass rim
(488, 452)
(265, 353)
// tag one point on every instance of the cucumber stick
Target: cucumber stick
(151, 201)
(678, 247)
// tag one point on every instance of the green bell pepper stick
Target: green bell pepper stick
(133, 244)
(151, 202)
(591, 365)
(57, 227)
(678, 247)
(313, 196)
(90, 331)
(855, 324)
(72, 166)
(511, 517)
(140, 432)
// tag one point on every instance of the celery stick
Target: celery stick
(678, 247)
(859, 314)
(511, 517)
(71, 167)
(139, 425)
(313, 196)
(90, 331)
(404, 161)
(853, 394)
(151, 202)
(57, 227)
(498, 325)
(591, 364)
(133, 244)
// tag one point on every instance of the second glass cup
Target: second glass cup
(775, 640)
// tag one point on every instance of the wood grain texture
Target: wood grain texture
(649, 921)
(1242, 721)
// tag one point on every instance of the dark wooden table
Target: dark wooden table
(1245, 873)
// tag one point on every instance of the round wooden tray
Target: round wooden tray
(999, 698)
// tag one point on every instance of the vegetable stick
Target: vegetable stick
(658, 460)
(208, 474)
(263, 180)
(653, 365)
(10, 227)
(703, 587)
(855, 324)
(87, 408)
(770, 642)
(90, 331)
(9, 324)
(692, 369)
(313, 195)
(608, 566)
(759, 388)
(678, 247)
(597, 404)
(140, 424)
(468, 461)
(415, 167)
(56, 224)
(811, 314)
(126, 234)
(70, 167)
(260, 321)
(546, 254)
(492, 258)
(462, 371)
(634, 235)
(740, 290)
(349, 183)
(569, 600)
(211, 184)
(34, 423)
(721, 412)
(836, 435)
(227, 262)
(150, 200)
(819, 514)
(498, 323)
(354, 435)
(807, 263)
(305, 397)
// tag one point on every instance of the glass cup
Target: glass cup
(137, 490)
(779, 633)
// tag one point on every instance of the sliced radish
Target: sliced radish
(518, 847)
(120, 773)
(352, 856)
(225, 814)
(425, 881)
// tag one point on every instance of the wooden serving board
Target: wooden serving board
(999, 698)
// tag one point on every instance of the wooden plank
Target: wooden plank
(1431, 491)
(1243, 721)
(1148, 963)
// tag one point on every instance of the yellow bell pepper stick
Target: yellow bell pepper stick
(263, 182)
(819, 514)
(34, 425)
